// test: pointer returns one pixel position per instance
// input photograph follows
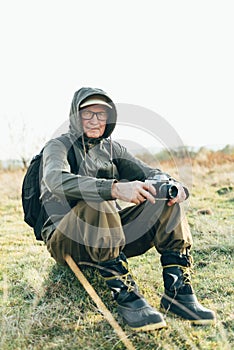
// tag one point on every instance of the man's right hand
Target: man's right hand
(135, 192)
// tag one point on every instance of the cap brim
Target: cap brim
(94, 101)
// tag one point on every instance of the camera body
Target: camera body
(166, 188)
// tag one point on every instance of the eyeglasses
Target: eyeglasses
(88, 115)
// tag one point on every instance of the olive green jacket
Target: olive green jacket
(100, 163)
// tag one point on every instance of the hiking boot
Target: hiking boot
(132, 307)
(179, 297)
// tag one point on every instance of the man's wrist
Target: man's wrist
(114, 189)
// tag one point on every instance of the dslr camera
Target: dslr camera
(166, 187)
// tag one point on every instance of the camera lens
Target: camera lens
(172, 191)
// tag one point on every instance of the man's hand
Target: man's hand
(135, 192)
(181, 196)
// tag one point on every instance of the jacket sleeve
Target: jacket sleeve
(129, 167)
(59, 180)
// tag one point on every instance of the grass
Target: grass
(43, 306)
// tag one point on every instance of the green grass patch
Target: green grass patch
(43, 305)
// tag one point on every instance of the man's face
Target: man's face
(94, 124)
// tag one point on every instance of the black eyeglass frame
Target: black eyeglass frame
(92, 114)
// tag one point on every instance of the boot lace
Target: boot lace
(125, 279)
(186, 274)
(187, 271)
(128, 282)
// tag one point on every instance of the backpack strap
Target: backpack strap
(71, 157)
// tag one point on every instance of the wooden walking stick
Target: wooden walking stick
(101, 306)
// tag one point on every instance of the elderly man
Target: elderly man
(85, 222)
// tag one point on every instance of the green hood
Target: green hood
(82, 94)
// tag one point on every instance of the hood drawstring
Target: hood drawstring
(84, 149)
(111, 157)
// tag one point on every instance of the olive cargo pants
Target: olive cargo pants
(97, 232)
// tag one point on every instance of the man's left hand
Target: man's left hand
(181, 196)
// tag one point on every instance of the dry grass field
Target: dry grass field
(43, 306)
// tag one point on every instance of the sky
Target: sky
(174, 58)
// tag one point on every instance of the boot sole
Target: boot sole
(150, 327)
(203, 322)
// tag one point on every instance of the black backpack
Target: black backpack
(34, 213)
